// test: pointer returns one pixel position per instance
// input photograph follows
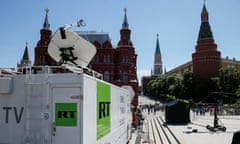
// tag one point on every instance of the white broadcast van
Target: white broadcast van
(61, 108)
(44, 106)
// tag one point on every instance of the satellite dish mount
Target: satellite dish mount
(67, 55)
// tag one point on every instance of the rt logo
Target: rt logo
(103, 110)
(66, 114)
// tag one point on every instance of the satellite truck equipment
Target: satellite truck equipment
(217, 99)
(61, 108)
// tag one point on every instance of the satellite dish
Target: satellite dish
(67, 47)
(130, 89)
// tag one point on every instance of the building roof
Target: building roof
(93, 36)
(205, 28)
(205, 31)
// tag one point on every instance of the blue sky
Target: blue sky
(176, 21)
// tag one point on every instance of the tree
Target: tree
(175, 86)
(238, 95)
(238, 91)
(229, 80)
(188, 85)
(149, 89)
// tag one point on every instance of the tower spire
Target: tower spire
(204, 14)
(125, 21)
(25, 54)
(25, 61)
(206, 59)
(157, 66)
(125, 32)
(41, 54)
(205, 28)
(46, 24)
(157, 46)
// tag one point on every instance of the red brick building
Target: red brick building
(117, 64)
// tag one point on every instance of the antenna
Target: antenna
(67, 47)
(78, 24)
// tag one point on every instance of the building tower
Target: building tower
(25, 61)
(206, 59)
(126, 59)
(157, 66)
(41, 54)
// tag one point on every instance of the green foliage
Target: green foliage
(238, 91)
(186, 87)
(229, 80)
(171, 85)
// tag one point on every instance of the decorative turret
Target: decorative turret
(125, 32)
(206, 59)
(25, 61)
(126, 63)
(126, 68)
(46, 24)
(125, 21)
(157, 67)
(41, 55)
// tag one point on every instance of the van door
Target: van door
(66, 115)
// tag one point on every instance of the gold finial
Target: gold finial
(47, 10)
(125, 10)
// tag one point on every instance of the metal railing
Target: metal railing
(29, 70)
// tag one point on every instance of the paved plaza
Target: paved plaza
(154, 130)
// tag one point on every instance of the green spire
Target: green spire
(205, 28)
(157, 66)
(157, 46)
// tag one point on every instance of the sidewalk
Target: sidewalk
(154, 131)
